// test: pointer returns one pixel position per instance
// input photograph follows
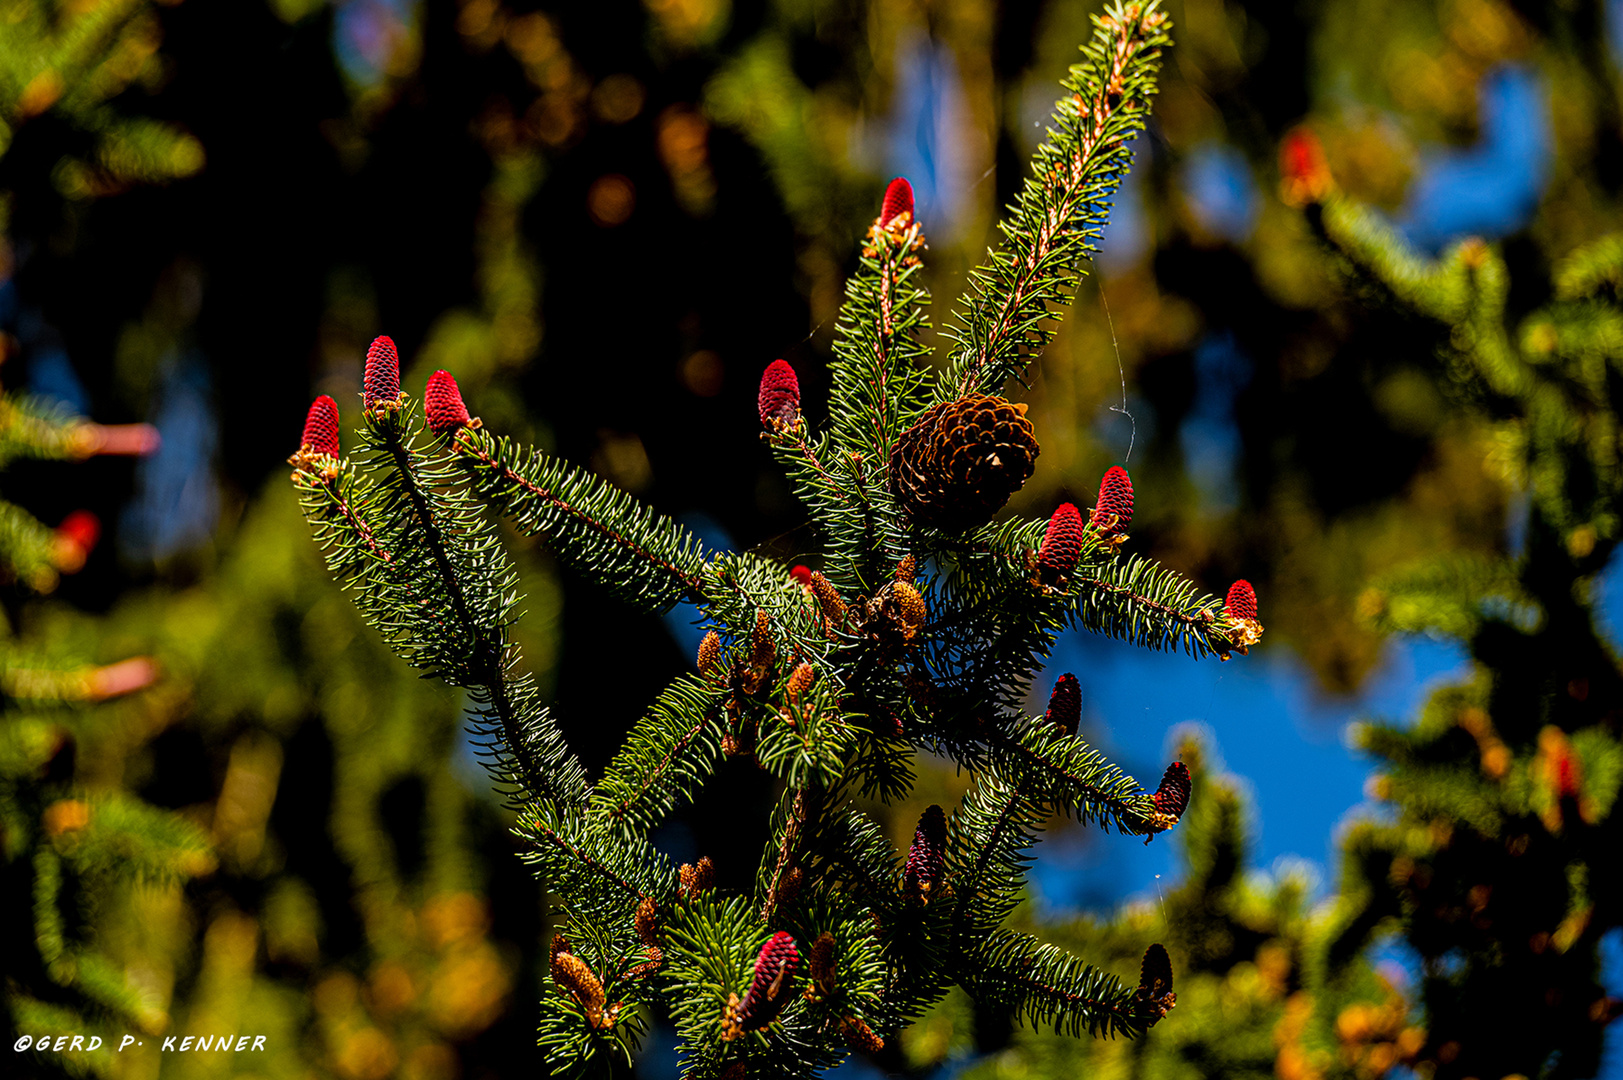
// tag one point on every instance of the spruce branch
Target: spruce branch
(642, 558)
(1060, 213)
(1042, 984)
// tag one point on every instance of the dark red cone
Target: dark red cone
(442, 401)
(1065, 704)
(382, 372)
(1062, 543)
(1172, 797)
(769, 989)
(321, 427)
(927, 855)
(1115, 509)
(898, 200)
(779, 397)
(1242, 601)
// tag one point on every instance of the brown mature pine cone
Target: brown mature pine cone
(961, 461)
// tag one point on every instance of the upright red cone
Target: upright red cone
(1114, 513)
(1241, 609)
(898, 201)
(769, 988)
(1242, 601)
(779, 397)
(1062, 545)
(925, 859)
(1304, 175)
(382, 372)
(1172, 797)
(321, 427)
(442, 401)
(1065, 704)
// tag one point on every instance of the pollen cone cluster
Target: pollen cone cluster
(961, 461)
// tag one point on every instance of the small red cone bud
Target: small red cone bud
(898, 201)
(769, 988)
(1062, 545)
(1304, 175)
(1172, 797)
(927, 855)
(1242, 601)
(779, 397)
(801, 574)
(442, 401)
(74, 539)
(1065, 704)
(1155, 996)
(1241, 608)
(1114, 513)
(382, 373)
(321, 427)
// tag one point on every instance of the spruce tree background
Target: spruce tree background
(464, 168)
(920, 631)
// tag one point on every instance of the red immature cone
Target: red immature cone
(321, 427)
(1115, 510)
(1304, 175)
(1065, 704)
(442, 401)
(1242, 601)
(1062, 545)
(1241, 609)
(769, 988)
(74, 539)
(1172, 797)
(779, 397)
(801, 574)
(898, 201)
(926, 856)
(382, 372)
